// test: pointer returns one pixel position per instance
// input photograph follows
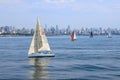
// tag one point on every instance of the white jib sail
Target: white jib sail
(75, 36)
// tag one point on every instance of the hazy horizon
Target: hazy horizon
(76, 13)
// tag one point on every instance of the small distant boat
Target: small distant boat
(91, 34)
(109, 35)
(73, 36)
(39, 46)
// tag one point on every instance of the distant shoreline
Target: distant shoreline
(16, 35)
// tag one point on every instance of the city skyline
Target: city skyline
(76, 13)
(55, 31)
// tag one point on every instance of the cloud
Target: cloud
(10, 1)
(59, 1)
(116, 6)
(100, 1)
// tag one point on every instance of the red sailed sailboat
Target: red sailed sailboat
(73, 36)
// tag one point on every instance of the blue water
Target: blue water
(96, 58)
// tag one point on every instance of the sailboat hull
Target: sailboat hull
(41, 55)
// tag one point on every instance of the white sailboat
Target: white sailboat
(109, 35)
(39, 46)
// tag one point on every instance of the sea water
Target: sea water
(86, 58)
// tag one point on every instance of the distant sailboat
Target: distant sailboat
(109, 35)
(91, 34)
(73, 36)
(39, 46)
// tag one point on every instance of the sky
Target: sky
(76, 13)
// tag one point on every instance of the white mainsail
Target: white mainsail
(39, 40)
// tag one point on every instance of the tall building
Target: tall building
(68, 30)
(57, 30)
